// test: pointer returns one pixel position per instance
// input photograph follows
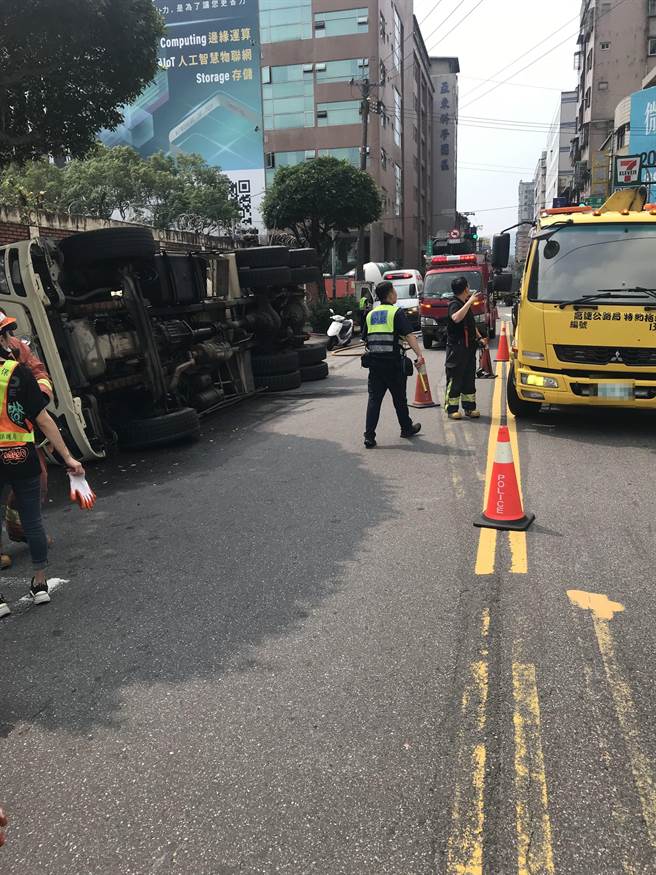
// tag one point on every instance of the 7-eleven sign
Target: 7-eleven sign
(627, 170)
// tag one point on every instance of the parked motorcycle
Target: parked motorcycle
(340, 330)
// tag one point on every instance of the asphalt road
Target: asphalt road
(276, 651)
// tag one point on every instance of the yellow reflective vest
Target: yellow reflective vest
(381, 338)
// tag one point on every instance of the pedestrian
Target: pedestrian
(462, 338)
(22, 406)
(363, 305)
(386, 327)
(22, 353)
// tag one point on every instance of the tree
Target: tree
(182, 192)
(66, 69)
(319, 196)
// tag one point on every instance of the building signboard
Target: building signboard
(643, 135)
(207, 96)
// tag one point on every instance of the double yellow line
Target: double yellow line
(487, 539)
(465, 846)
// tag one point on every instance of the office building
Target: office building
(525, 213)
(616, 51)
(314, 54)
(444, 73)
(559, 167)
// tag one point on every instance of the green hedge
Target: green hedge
(320, 312)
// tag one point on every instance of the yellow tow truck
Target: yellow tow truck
(586, 319)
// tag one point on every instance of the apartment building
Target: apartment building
(444, 73)
(314, 54)
(525, 213)
(559, 167)
(419, 162)
(616, 51)
(540, 185)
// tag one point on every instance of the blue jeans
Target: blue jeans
(28, 505)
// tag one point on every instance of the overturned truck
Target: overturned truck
(141, 342)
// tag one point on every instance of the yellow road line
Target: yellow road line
(603, 611)
(487, 538)
(534, 846)
(518, 548)
(465, 845)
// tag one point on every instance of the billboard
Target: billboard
(207, 95)
(643, 135)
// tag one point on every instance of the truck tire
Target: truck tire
(107, 244)
(518, 406)
(157, 431)
(263, 256)
(301, 275)
(260, 277)
(312, 354)
(278, 363)
(428, 340)
(303, 258)
(309, 373)
(279, 382)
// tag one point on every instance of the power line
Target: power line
(535, 60)
(455, 26)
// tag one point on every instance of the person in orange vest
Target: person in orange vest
(23, 354)
(22, 406)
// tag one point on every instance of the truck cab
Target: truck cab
(586, 319)
(437, 295)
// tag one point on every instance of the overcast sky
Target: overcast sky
(491, 159)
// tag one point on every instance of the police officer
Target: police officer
(363, 305)
(386, 327)
(462, 339)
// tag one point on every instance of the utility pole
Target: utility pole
(365, 90)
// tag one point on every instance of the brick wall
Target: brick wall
(15, 226)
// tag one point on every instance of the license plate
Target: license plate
(617, 391)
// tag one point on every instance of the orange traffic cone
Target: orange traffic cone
(504, 504)
(423, 397)
(485, 369)
(503, 353)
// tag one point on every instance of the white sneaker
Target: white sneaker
(39, 593)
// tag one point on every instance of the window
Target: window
(342, 71)
(288, 97)
(349, 153)
(652, 7)
(383, 73)
(342, 23)
(652, 46)
(587, 99)
(340, 112)
(282, 20)
(605, 9)
(383, 159)
(397, 117)
(397, 39)
(276, 160)
(604, 46)
(383, 27)
(397, 190)
(588, 63)
(603, 86)
(621, 135)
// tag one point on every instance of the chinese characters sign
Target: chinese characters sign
(643, 135)
(206, 98)
(445, 125)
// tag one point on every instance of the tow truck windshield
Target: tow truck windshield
(615, 259)
(438, 285)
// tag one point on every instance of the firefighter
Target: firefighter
(385, 327)
(22, 353)
(462, 341)
(22, 406)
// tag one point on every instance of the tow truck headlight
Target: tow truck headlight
(539, 380)
(537, 356)
(412, 311)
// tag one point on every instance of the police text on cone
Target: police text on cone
(504, 504)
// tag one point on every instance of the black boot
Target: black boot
(414, 429)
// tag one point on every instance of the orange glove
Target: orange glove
(82, 492)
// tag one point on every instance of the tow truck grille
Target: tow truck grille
(606, 355)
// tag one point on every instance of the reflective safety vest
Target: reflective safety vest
(363, 302)
(11, 434)
(381, 339)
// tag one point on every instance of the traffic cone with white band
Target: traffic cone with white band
(503, 353)
(504, 503)
(423, 397)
